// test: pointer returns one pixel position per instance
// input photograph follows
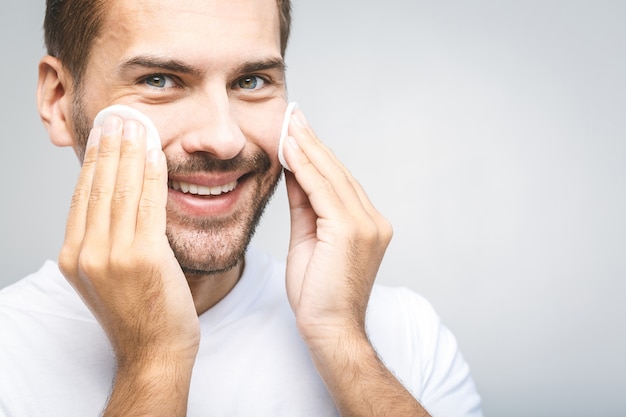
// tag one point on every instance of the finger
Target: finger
(129, 183)
(151, 215)
(99, 208)
(77, 216)
(308, 150)
(329, 174)
(348, 187)
(303, 217)
(320, 194)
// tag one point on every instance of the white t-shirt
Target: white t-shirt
(55, 360)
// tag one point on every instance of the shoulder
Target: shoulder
(404, 322)
(401, 302)
(421, 351)
(403, 312)
(36, 290)
(49, 338)
(38, 298)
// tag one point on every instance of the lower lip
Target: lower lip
(204, 206)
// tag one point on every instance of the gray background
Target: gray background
(492, 135)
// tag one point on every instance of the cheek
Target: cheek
(169, 119)
(261, 124)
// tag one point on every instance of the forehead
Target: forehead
(196, 28)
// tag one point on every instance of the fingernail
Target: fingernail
(111, 125)
(131, 130)
(298, 117)
(291, 141)
(94, 137)
(154, 156)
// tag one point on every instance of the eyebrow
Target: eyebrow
(263, 65)
(173, 65)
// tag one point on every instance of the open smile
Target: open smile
(202, 190)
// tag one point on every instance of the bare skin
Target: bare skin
(127, 250)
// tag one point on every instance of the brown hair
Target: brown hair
(70, 26)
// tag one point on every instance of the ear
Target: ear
(54, 100)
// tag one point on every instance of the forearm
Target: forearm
(158, 387)
(360, 384)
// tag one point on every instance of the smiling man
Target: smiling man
(157, 305)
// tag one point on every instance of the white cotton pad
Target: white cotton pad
(284, 131)
(128, 113)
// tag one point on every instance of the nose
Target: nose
(213, 128)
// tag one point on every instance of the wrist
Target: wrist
(325, 334)
(154, 362)
(358, 381)
(345, 345)
(157, 386)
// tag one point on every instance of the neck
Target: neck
(209, 289)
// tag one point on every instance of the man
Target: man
(176, 316)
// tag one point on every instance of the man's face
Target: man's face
(209, 73)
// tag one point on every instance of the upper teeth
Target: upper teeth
(201, 189)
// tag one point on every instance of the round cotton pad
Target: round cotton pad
(128, 113)
(283, 133)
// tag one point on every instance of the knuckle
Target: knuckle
(99, 193)
(147, 203)
(123, 192)
(80, 194)
(385, 231)
(109, 148)
(91, 156)
(149, 208)
(373, 231)
(323, 185)
(131, 149)
(67, 261)
(91, 262)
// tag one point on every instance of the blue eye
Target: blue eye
(158, 81)
(251, 82)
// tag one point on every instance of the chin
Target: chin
(212, 249)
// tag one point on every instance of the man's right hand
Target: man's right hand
(117, 256)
